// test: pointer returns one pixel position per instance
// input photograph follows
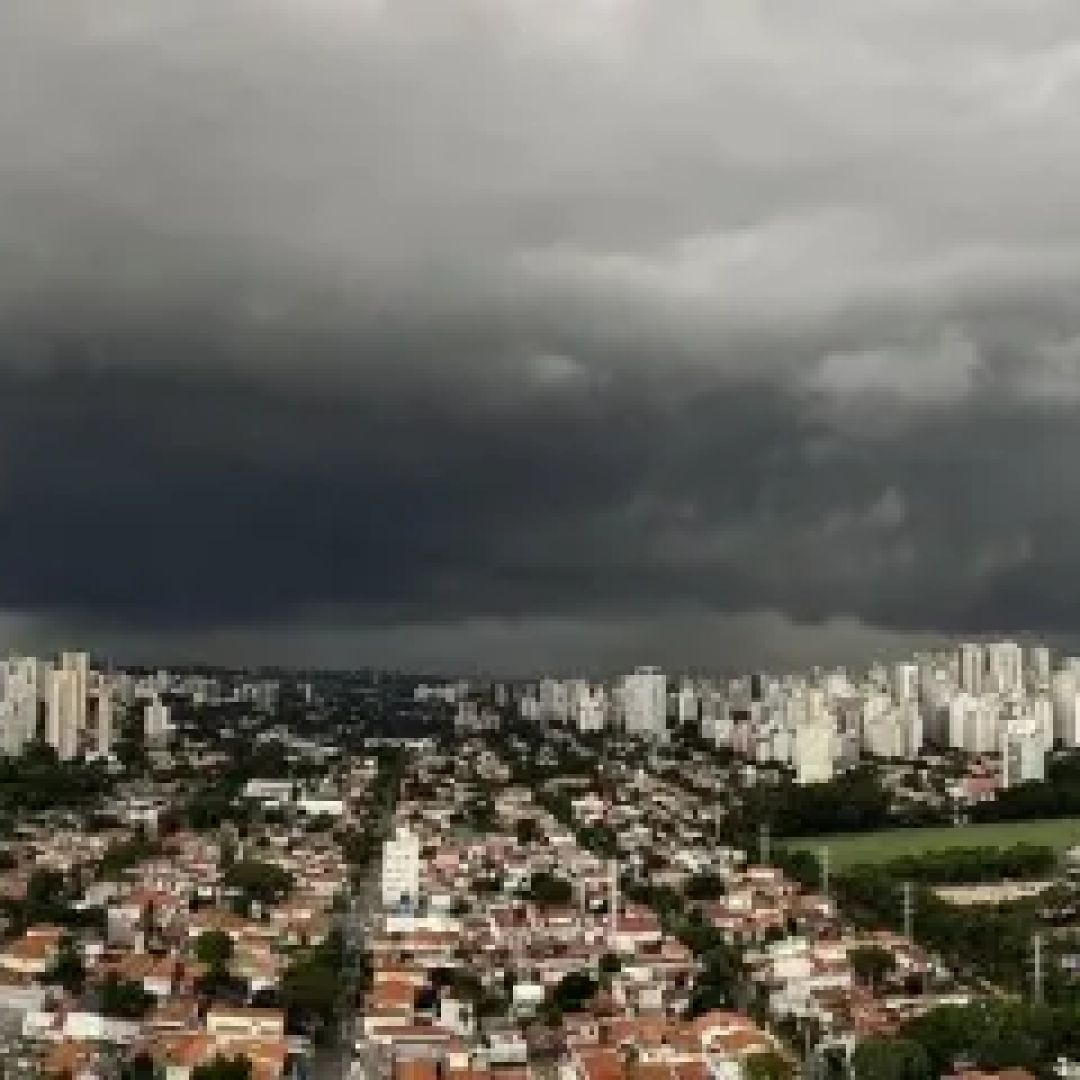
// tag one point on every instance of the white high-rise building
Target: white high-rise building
(975, 724)
(1065, 696)
(1023, 756)
(588, 707)
(972, 668)
(1040, 710)
(644, 703)
(62, 712)
(554, 701)
(78, 665)
(906, 682)
(20, 691)
(1005, 667)
(982, 727)
(1040, 667)
(401, 870)
(911, 723)
(687, 707)
(814, 737)
(104, 708)
(812, 751)
(715, 717)
(156, 725)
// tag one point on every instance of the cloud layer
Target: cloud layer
(614, 322)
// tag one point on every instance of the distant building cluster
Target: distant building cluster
(72, 707)
(994, 700)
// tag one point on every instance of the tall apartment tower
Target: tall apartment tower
(1040, 667)
(156, 720)
(21, 687)
(644, 701)
(1005, 667)
(62, 713)
(972, 668)
(906, 682)
(814, 739)
(104, 708)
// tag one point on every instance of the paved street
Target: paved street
(354, 1056)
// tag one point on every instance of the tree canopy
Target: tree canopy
(548, 891)
(263, 882)
(574, 991)
(890, 1059)
(214, 948)
(124, 998)
(238, 1068)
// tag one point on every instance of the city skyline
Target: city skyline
(513, 337)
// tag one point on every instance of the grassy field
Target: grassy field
(848, 849)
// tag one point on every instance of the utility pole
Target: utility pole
(613, 900)
(764, 846)
(909, 910)
(825, 872)
(1037, 973)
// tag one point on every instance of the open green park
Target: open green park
(849, 849)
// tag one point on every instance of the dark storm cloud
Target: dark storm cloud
(495, 324)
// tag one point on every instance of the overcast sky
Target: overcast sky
(507, 334)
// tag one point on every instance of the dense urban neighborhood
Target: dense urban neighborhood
(256, 875)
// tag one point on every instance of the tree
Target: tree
(238, 1068)
(548, 891)
(214, 948)
(574, 991)
(527, 831)
(140, 1067)
(311, 987)
(767, 1066)
(610, 965)
(123, 855)
(258, 881)
(704, 887)
(124, 999)
(872, 964)
(45, 897)
(68, 971)
(890, 1059)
